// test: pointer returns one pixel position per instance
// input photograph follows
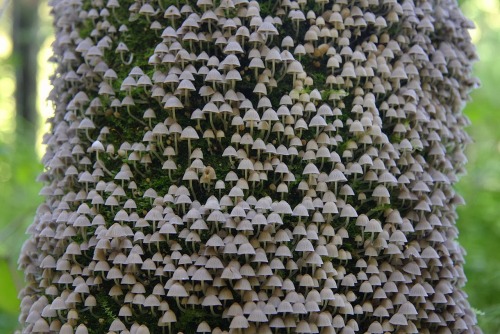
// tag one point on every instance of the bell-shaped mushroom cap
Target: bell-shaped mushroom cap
(58, 304)
(258, 316)
(295, 68)
(117, 326)
(375, 328)
(238, 322)
(203, 327)
(177, 290)
(304, 245)
(398, 319)
(41, 326)
(211, 300)
(311, 169)
(189, 133)
(373, 226)
(337, 176)
(348, 211)
(235, 310)
(143, 329)
(81, 329)
(169, 317)
(303, 327)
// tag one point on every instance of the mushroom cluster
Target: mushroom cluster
(236, 166)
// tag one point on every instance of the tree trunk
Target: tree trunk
(243, 167)
(26, 45)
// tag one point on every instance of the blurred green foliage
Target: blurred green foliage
(19, 199)
(479, 221)
(19, 167)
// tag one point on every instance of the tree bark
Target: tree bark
(244, 167)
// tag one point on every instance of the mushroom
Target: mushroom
(189, 133)
(172, 104)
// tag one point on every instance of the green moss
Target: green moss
(101, 316)
(124, 128)
(86, 28)
(189, 319)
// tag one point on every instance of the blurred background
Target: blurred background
(25, 39)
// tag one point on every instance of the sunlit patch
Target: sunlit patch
(5, 45)
(6, 105)
(45, 70)
(488, 6)
(475, 33)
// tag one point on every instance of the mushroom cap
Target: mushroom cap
(176, 290)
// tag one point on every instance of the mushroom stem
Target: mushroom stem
(192, 189)
(88, 136)
(101, 164)
(60, 315)
(175, 142)
(212, 122)
(135, 118)
(129, 61)
(137, 170)
(177, 300)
